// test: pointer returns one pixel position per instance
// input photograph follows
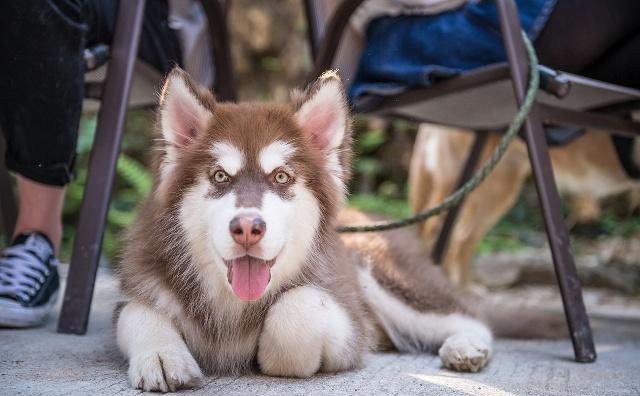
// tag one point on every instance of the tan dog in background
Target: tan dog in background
(587, 169)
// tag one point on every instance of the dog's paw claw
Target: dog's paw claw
(164, 370)
(463, 352)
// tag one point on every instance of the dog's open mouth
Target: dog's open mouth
(249, 276)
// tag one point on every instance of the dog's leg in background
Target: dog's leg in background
(159, 359)
(485, 206)
(434, 170)
(464, 342)
(436, 164)
(421, 188)
(304, 332)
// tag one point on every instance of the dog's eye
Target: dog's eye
(282, 178)
(220, 177)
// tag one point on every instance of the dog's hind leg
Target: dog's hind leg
(463, 342)
(306, 331)
(434, 171)
(437, 160)
(159, 359)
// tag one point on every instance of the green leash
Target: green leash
(455, 198)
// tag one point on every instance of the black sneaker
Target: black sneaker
(28, 281)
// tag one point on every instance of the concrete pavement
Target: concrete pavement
(42, 362)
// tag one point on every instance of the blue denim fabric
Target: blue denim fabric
(416, 51)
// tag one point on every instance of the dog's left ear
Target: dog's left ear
(185, 108)
(323, 113)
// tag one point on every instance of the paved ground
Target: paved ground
(34, 362)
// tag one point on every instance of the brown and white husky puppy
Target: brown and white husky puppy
(234, 259)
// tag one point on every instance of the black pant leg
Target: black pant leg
(41, 81)
(620, 65)
(583, 33)
(42, 75)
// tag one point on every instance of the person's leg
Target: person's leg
(42, 80)
(600, 40)
(40, 210)
(620, 65)
(43, 89)
(579, 32)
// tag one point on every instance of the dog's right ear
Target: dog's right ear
(185, 109)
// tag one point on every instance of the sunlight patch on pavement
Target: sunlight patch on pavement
(469, 387)
(604, 348)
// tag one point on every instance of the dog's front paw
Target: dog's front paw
(465, 352)
(291, 341)
(289, 355)
(164, 370)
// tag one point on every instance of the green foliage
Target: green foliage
(518, 229)
(135, 174)
(368, 166)
(133, 180)
(369, 141)
(523, 227)
(502, 237)
(613, 224)
(379, 204)
(271, 64)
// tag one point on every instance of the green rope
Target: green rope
(455, 198)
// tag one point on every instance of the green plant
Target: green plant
(133, 180)
(379, 204)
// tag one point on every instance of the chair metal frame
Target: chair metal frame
(114, 95)
(325, 39)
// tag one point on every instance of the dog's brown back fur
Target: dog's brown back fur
(402, 265)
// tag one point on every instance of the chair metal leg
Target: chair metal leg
(325, 50)
(442, 243)
(8, 206)
(111, 118)
(315, 16)
(548, 197)
(224, 84)
(559, 243)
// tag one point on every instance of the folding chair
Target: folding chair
(114, 97)
(462, 101)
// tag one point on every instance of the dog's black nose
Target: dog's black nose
(247, 230)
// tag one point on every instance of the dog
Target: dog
(587, 169)
(233, 262)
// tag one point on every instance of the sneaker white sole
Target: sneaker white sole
(12, 314)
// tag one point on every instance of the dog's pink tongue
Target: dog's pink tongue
(249, 277)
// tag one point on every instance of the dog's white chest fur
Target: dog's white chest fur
(231, 351)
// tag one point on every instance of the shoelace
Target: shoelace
(23, 269)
